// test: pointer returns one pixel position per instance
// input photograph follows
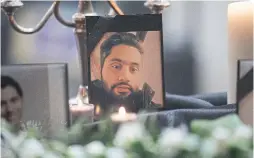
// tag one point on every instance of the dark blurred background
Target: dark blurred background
(195, 42)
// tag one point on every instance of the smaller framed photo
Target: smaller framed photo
(245, 91)
(35, 95)
(126, 63)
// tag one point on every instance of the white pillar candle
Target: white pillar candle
(240, 35)
(80, 110)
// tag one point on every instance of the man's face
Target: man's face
(11, 104)
(121, 70)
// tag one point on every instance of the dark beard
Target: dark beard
(122, 98)
(130, 102)
(123, 94)
(107, 100)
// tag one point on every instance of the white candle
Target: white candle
(240, 35)
(123, 116)
(81, 110)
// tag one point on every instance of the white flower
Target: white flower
(209, 148)
(172, 137)
(191, 143)
(240, 137)
(116, 153)
(170, 140)
(243, 132)
(76, 151)
(221, 133)
(129, 133)
(95, 148)
(31, 148)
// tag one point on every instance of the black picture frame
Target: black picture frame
(97, 26)
(244, 82)
(55, 74)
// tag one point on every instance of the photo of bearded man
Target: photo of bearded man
(121, 75)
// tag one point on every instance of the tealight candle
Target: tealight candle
(123, 116)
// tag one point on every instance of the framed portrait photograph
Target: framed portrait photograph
(35, 95)
(126, 62)
(245, 91)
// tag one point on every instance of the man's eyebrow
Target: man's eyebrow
(116, 59)
(124, 62)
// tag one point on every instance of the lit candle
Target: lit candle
(123, 116)
(240, 35)
(79, 109)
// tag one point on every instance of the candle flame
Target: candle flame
(122, 111)
(97, 110)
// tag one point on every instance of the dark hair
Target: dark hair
(117, 39)
(8, 81)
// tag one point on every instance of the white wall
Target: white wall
(204, 25)
(212, 48)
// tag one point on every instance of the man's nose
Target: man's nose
(124, 75)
